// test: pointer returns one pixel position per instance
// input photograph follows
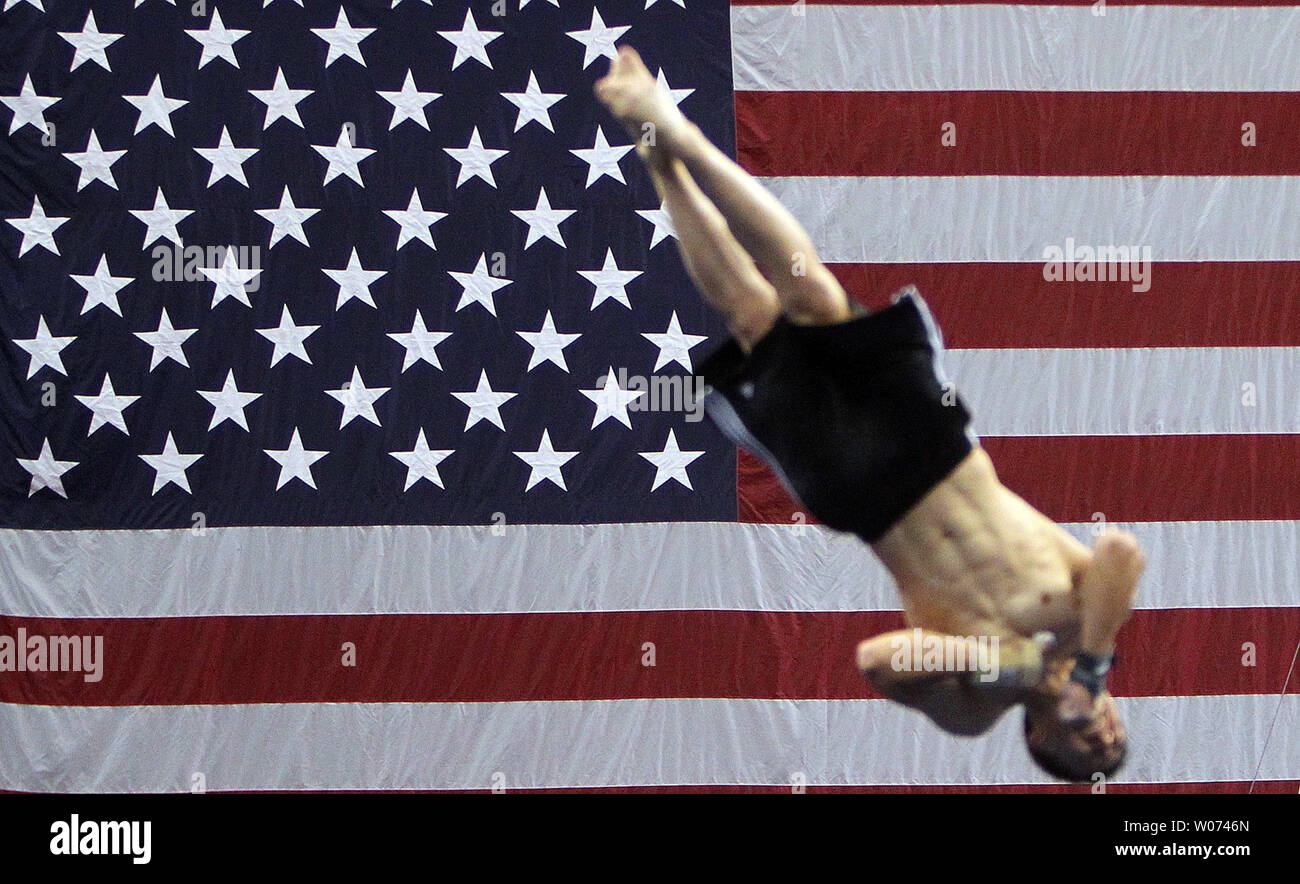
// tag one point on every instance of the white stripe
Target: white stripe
(535, 568)
(1008, 47)
(598, 743)
(1129, 391)
(1017, 218)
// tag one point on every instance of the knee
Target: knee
(751, 324)
(815, 297)
(749, 307)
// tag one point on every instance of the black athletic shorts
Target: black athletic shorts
(857, 418)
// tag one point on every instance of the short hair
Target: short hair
(1055, 767)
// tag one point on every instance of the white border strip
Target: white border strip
(1146, 391)
(331, 746)
(944, 219)
(1020, 48)
(536, 568)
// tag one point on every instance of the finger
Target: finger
(864, 656)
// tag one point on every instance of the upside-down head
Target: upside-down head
(1078, 737)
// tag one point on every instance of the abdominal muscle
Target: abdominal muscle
(973, 558)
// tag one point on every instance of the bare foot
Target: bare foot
(634, 97)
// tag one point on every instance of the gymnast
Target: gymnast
(853, 412)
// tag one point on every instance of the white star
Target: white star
(37, 229)
(484, 403)
(420, 343)
(543, 221)
(96, 163)
(681, 3)
(90, 44)
(295, 461)
(470, 42)
(358, 399)
(533, 104)
(281, 101)
(166, 341)
(548, 344)
(28, 107)
(218, 41)
(9, 4)
(598, 40)
(662, 221)
(409, 103)
(343, 39)
(602, 159)
(169, 466)
(46, 471)
(156, 108)
(231, 279)
(226, 159)
(354, 281)
(609, 281)
(674, 345)
(287, 219)
(106, 407)
(44, 349)
(671, 463)
(343, 157)
(545, 463)
(288, 338)
(415, 222)
(677, 95)
(612, 401)
(102, 287)
(476, 160)
(478, 287)
(422, 462)
(161, 220)
(228, 403)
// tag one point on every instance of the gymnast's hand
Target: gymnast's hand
(1094, 720)
(634, 97)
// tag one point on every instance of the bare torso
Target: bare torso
(973, 558)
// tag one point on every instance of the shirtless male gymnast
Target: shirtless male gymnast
(853, 412)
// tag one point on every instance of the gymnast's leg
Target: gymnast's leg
(807, 291)
(720, 268)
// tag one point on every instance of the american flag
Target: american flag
(324, 328)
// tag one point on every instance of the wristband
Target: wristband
(1090, 671)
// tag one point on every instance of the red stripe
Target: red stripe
(1010, 305)
(1127, 478)
(1017, 133)
(505, 657)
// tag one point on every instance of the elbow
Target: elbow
(1122, 549)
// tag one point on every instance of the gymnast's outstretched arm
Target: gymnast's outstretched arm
(1107, 589)
(961, 703)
